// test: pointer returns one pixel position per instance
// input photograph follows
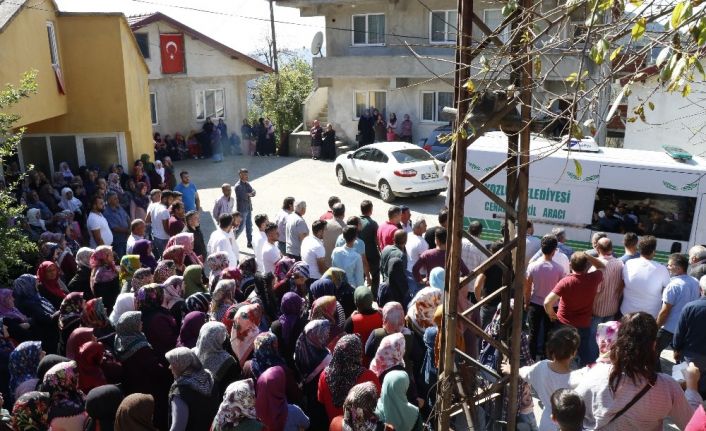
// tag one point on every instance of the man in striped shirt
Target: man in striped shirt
(607, 300)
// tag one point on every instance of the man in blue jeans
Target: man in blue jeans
(243, 203)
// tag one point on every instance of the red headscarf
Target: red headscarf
(78, 338)
(51, 286)
(90, 374)
(271, 401)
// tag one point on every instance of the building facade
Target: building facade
(92, 101)
(191, 76)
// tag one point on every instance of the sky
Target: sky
(240, 24)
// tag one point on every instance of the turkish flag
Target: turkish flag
(171, 47)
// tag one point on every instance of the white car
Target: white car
(392, 168)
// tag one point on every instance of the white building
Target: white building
(209, 79)
(676, 120)
(367, 63)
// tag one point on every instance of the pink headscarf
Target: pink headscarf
(245, 330)
(606, 335)
(186, 240)
(390, 354)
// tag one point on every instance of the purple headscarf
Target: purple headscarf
(141, 248)
(6, 311)
(190, 327)
(291, 308)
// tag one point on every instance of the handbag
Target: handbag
(632, 402)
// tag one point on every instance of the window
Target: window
(153, 108)
(369, 29)
(493, 18)
(412, 156)
(369, 100)
(378, 156)
(53, 45)
(100, 150)
(210, 103)
(363, 154)
(433, 102)
(443, 26)
(144, 43)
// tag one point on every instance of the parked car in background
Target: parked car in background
(393, 169)
(435, 144)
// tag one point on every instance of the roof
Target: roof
(8, 9)
(138, 21)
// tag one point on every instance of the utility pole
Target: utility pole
(275, 63)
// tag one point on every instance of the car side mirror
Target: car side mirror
(349, 155)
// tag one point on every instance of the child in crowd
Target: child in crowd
(568, 410)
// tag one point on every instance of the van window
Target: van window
(663, 216)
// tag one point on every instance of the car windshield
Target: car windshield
(411, 155)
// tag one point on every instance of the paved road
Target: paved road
(275, 178)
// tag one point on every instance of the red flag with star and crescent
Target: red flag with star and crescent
(171, 47)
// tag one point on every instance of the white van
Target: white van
(611, 190)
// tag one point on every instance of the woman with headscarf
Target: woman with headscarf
(41, 312)
(237, 410)
(235, 275)
(78, 337)
(266, 356)
(420, 313)
(248, 269)
(95, 316)
(326, 307)
(186, 240)
(209, 350)
(222, 298)
(124, 303)
(69, 318)
(245, 329)
(174, 297)
(143, 370)
(289, 325)
(193, 280)
(128, 265)
(159, 326)
(141, 277)
(136, 413)
(311, 357)
(216, 262)
(359, 411)
(190, 327)
(344, 291)
(104, 277)
(81, 282)
(140, 202)
(344, 372)
(31, 412)
(389, 357)
(67, 405)
(366, 318)
(193, 398)
(35, 222)
(90, 361)
(18, 325)
(69, 202)
(199, 301)
(50, 285)
(160, 178)
(143, 248)
(177, 254)
(393, 407)
(22, 367)
(164, 270)
(102, 404)
(396, 287)
(271, 404)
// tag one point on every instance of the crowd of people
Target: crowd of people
(133, 319)
(372, 127)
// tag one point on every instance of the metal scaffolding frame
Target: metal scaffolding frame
(458, 388)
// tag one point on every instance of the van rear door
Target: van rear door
(700, 230)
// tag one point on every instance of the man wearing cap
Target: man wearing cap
(224, 204)
(243, 202)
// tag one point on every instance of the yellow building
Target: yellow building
(92, 105)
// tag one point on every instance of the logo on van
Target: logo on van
(685, 188)
(578, 173)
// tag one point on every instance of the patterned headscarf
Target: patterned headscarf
(222, 298)
(337, 276)
(344, 369)
(164, 270)
(301, 269)
(142, 277)
(31, 412)
(266, 353)
(173, 291)
(175, 253)
(94, 314)
(393, 318)
(311, 352)
(217, 262)
(61, 381)
(124, 303)
(83, 257)
(199, 301)
(291, 308)
(23, 363)
(359, 408)
(238, 404)
(114, 183)
(606, 336)
(390, 353)
(128, 265)
(245, 329)
(149, 298)
(71, 309)
(324, 308)
(188, 371)
(193, 281)
(209, 346)
(186, 240)
(129, 337)
(102, 264)
(422, 307)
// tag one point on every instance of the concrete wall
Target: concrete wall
(24, 46)
(676, 120)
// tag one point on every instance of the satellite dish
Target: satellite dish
(317, 43)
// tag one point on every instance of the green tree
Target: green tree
(295, 85)
(13, 244)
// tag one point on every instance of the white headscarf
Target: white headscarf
(124, 303)
(34, 218)
(65, 170)
(159, 168)
(72, 204)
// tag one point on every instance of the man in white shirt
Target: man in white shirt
(416, 245)
(471, 255)
(100, 233)
(532, 243)
(644, 280)
(270, 253)
(222, 240)
(158, 215)
(281, 222)
(313, 251)
(259, 240)
(224, 204)
(137, 232)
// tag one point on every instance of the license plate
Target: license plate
(431, 176)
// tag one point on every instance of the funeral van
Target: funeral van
(584, 188)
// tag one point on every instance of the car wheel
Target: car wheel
(385, 190)
(341, 175)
